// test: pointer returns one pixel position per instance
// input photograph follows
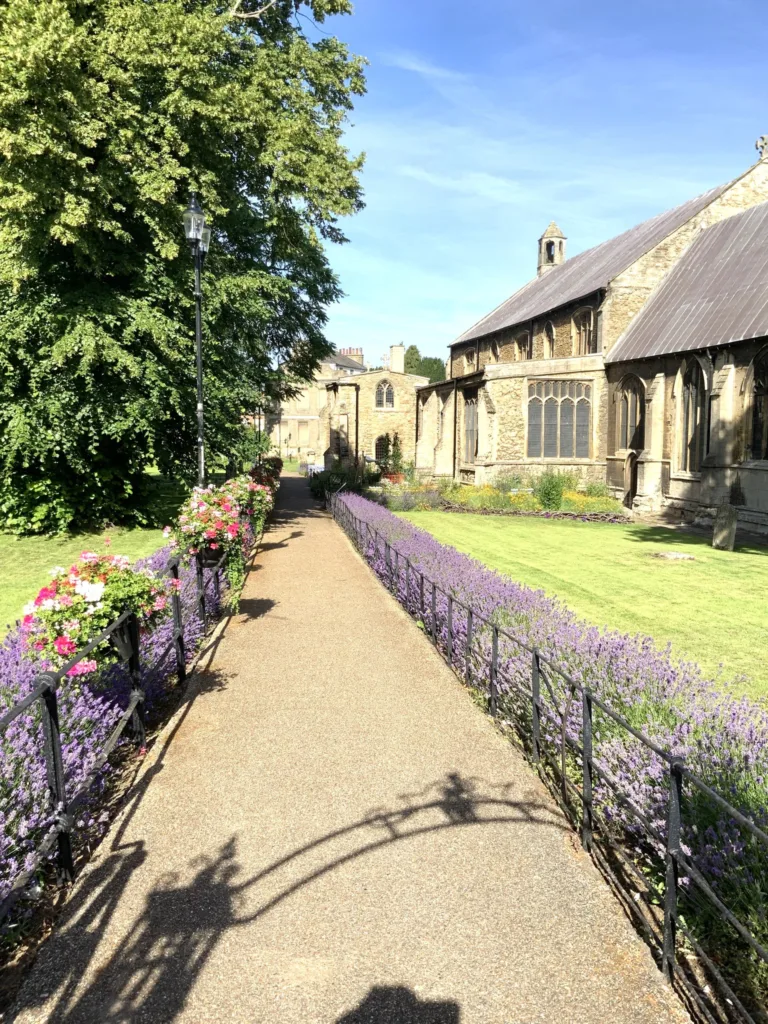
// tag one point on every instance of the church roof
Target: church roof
(716, 294)
(589, 271)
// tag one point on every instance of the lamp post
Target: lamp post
(199, 238)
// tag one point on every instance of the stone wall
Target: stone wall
(727, 472)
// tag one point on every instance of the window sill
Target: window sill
(687, 477)
(761, 465)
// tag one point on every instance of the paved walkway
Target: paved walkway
(331, 832)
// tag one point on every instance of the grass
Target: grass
(711, 609)
(27, 560)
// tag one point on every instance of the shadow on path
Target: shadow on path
(152, 970)
(398, 1005)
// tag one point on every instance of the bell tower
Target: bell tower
(551, 249)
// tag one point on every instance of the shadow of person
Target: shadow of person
(256, 607)
(398, 1005)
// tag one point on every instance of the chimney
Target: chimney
(353, 353)
(397, 359)
(551, 249)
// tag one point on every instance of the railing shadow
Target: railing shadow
(154, 966)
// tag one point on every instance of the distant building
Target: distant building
(642, 362)
(349, 410)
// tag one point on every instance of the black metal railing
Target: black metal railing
(123, 635)
(547, 707)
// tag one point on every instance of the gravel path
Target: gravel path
(329, 831)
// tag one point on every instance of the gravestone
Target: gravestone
(724, 533)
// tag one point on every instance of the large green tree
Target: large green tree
(111, 112)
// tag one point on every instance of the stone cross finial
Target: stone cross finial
(762, 147)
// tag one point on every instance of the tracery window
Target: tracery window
(631, 418)
(559, 419)
(694, 427)
(585, 335)
(385, 395)
(470, 426)
(549, 340)
(760, 408)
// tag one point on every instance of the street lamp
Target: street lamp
(199, 238)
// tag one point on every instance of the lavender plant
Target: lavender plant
(722, 738)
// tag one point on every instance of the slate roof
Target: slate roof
(344, 362)
(716, 294)
(586, 273)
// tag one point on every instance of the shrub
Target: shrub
(508, 482)
(597, 490)
(575, 501)
(549, 489)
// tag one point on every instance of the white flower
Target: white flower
(30, 608)
(56, 570)
(92, 592)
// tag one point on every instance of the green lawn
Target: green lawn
(26, 560)
(713, 609)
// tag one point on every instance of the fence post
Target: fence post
(672, 871)
(134, 667)
(494, 669)
(54, 768)
(468, 650)
(434, 614)
(408, 585)
(586, 769)
(421, 595)
(217, 585)
(450, 630)
(396, 591)
(535, 710)
(178, 625)
(200, 586)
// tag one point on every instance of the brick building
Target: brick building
(586, 368)
(349, 410)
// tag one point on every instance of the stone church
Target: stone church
(642, 362)
(348, 411)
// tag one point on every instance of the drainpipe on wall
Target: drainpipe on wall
(455, 412)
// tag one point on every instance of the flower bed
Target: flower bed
(724, 740)
(75, 607)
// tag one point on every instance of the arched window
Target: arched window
(493, 352)
(381, 450)
(523, 346)
(759, 446)
(550, 252)
(584, 334)
(385, 396)
(559, 419)
(694, 419)
(469, 360)
(549, 340)
(470, 426)
(631, 417)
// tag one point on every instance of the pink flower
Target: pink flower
(214, 547)
(45, 594)
(176, 584)
(166, 531)
(210, 533)
(193, 551)
(226, 506)
(65, 600)
(27, 622)
(64, 646)
(160, 603)
(233, 530)
(89, 556)
(82, 668)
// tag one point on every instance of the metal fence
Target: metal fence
(123, 635)
(556, 717)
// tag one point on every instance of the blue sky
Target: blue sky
(486, 119)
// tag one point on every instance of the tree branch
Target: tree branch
(234, 13)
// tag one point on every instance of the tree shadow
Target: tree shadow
(687, 536)
(154, 963)
(398, 1005)
(275, 545)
